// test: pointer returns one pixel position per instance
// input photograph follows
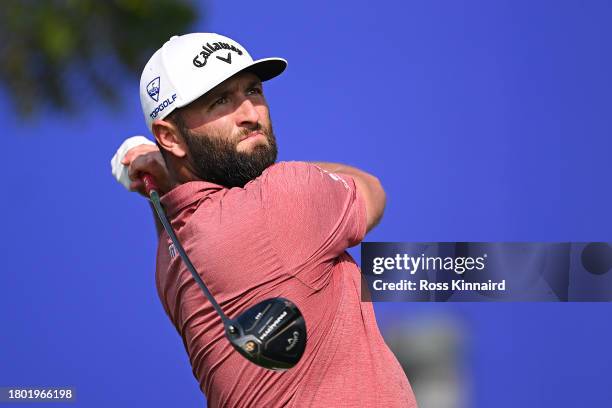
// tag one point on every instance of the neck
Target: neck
(181, 172)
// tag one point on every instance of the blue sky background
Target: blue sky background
(485, 121)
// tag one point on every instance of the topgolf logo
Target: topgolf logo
(153, 89)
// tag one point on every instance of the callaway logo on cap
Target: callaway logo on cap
(188, 66)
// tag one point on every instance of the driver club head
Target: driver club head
(271, 334)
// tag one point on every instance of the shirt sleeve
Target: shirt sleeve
(312, 215)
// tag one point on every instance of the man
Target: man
(256, 229)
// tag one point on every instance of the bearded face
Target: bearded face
(216, 157)
(227, 134)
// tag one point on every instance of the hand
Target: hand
(138, 155)
(146, 158)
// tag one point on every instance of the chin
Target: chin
(251, 147)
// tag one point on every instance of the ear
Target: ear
(167, 135)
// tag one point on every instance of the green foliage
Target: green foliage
(49, 47)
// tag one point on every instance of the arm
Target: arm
(312, 217)
(368, 186)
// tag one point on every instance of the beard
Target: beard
(216, 159)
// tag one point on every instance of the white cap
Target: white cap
(188, 66)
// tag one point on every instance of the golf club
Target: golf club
(271, 334)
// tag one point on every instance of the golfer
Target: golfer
(256, 229)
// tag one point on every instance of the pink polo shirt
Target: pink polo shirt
(283, 234)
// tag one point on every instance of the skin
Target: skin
(231, 110)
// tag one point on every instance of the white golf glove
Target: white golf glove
(119, 170)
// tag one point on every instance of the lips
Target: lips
(251, 135)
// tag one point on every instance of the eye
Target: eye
(219, 101)
(256, 90)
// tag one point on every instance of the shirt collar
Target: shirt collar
(185, 194)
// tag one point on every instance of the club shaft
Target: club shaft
(162, 217)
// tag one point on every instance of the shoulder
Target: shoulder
(298, 182)
(298, 173)
(289, 175)
(288, 168)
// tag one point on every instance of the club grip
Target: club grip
(149, 183)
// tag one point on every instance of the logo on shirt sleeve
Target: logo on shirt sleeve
(336, 177)
(172, 250)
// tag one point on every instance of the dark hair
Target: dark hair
(176, 117)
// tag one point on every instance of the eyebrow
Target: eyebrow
(253, 83)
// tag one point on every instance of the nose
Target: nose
(246, 114)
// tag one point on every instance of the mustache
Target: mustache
(258, 127)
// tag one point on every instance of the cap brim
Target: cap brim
(267, 68)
